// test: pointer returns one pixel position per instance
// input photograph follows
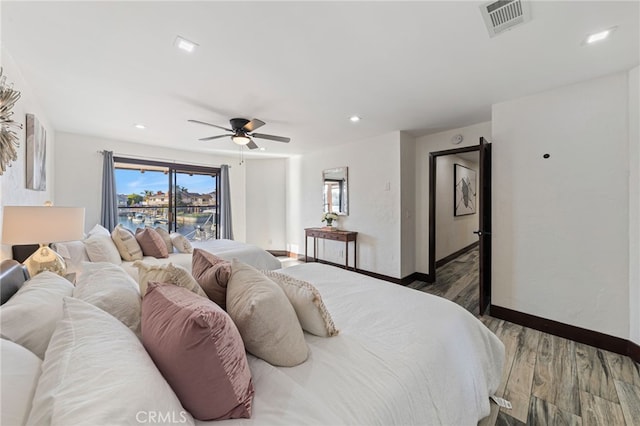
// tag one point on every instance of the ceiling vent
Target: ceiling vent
(503, 15)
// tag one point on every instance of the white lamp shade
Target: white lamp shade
(38, 224)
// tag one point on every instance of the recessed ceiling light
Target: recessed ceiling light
(140, 126)
(354, 118)
(184, 44)
(262, 148)
(599, 35)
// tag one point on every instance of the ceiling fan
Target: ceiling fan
(242, 132)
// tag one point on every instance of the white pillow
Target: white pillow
(18, 377)
(264, 317)
(126, 244)
(173, 274)
(181, 243)
(99, 230)
(29, 317)
(166, 237)
(102, 249)
(111, 289)
(73, 253)
(307, 302)
(96, 372)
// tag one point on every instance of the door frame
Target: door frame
(433, 156)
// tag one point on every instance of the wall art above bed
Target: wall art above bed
(36, 154)
(8, 137)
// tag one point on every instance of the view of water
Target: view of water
(195, 226)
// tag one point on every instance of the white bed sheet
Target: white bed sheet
(226, 249)
(246, 253)
(402, 357)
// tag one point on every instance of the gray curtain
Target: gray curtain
(109, 212)
(226, 230)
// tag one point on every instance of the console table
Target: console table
(334, 235)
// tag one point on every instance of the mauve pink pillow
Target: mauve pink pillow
(151, 243)
(198, 349)
(212, 273)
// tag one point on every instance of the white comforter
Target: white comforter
(402, 357)
(226, 249)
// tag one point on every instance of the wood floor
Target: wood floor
(549, 380)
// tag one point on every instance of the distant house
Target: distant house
(158, 199)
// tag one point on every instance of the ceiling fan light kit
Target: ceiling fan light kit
(240, 139)
(241, 132)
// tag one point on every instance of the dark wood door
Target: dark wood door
(484, 231)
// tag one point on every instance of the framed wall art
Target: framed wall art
(464, 190)
(36, 148)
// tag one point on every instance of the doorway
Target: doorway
(483, 230)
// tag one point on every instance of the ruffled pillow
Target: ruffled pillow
(307, 302)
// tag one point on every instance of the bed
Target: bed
(76, 252)
(226, 249)
(402, 357)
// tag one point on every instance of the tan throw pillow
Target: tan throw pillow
(181, 243)
(166, 237)
(307, 302)
(212, 273)
(265, 318)
(172, 274)
(101, 248)
(151, 243)
(126, 243)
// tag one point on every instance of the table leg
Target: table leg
(355, 255)
(306, 259)
(346, 255)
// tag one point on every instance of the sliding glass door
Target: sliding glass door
(178, 197)
(196, 208)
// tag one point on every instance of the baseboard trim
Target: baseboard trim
(577, 334)
(452, 256)
(416, 276)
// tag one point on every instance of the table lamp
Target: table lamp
(43, 225)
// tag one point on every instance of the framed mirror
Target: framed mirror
(336, 190)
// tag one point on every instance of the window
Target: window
(178, 197)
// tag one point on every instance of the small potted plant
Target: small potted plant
(329, 218)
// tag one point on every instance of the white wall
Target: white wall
(408, 204)
(79, 173)
(374, 201)
(634, 206)
(424, 145)
(453, 233)
(13, 190)
(266, 203)
(561, 225)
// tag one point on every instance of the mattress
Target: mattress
(226, 249)
(402, 357)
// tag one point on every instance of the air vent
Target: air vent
(503, 15)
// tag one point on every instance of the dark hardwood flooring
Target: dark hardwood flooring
(549, 380)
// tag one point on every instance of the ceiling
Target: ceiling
(302, 67)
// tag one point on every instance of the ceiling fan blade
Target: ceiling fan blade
(253, 125)
(252, 145)
(209, 124)
(271, 137)
(214, 137)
